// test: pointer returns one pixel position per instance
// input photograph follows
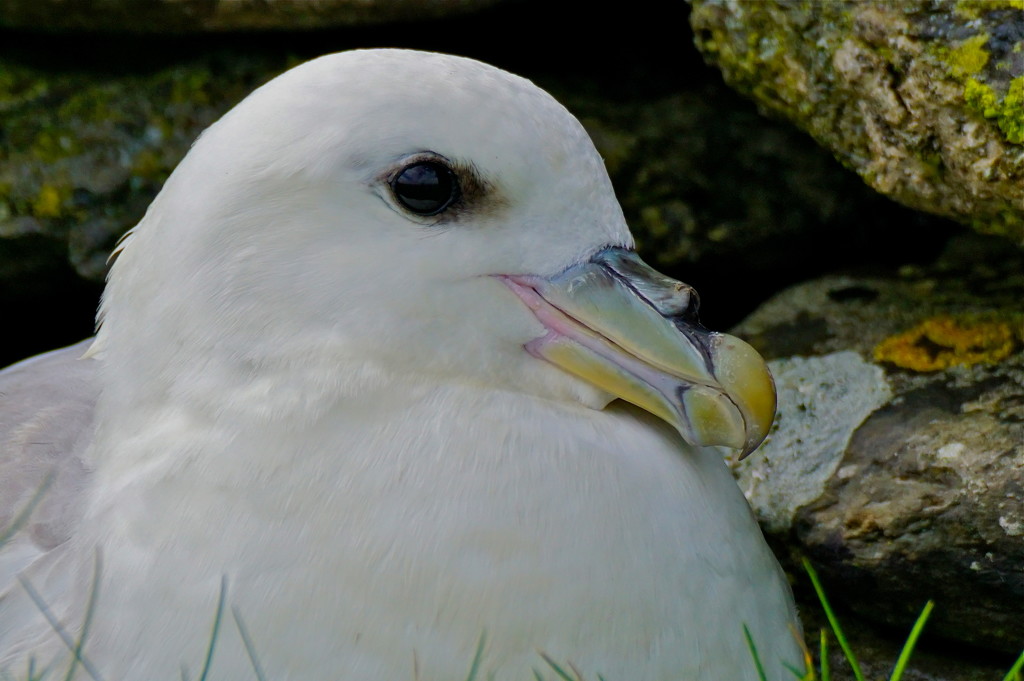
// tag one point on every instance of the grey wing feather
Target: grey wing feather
(47, 404)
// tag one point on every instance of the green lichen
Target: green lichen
(50, 202)
(966, 62)
(933, 164)
(190, 87)
(1005, 222)
(981, 97)
(972, 9)
(149, 166)
(969, 57)
(1011, 117)
(1007, 111)
(93, 105)
(770, 64)
(51, 145)
(19, 85)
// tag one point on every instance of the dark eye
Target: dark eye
(426, 188)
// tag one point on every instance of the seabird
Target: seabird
(380, 379)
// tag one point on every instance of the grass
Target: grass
(562, 672)
(823, 673)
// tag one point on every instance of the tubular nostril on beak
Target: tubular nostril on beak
(689, 303)
(672, 298)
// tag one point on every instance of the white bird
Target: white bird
(356, 375)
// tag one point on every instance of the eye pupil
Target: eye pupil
(426, 188)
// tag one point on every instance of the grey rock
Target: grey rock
(923, 99)
(927, 496)
(82, 155)
(187, 16)
(702, 178)
(822, 402)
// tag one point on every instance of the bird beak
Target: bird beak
(633, 332)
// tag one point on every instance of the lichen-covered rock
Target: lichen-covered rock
(925, 100)
(702, 177)
(822, 402)
(82, 155)
(897, 461)
(186, 16)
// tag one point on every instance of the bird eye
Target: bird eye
(426, 187)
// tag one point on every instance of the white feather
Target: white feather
(327, 402)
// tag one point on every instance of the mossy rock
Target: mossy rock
(924, 100)
(185, 16)
(82, 154)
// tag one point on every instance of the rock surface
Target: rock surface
(186, 16)
(897, 461)
(706, 182)
(924, 100)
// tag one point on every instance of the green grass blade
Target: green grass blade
(57, 627)
(23, 515)
(250, 649)
(474, 668)
(833, 622)
(90, 608)
(908, 647)
(1015, 671)
(562, 674)
(216, 628)
(797, 674)
(826, 673)
(753, 653)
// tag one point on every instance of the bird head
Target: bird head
(380, 216)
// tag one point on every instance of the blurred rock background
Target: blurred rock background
(896, 332)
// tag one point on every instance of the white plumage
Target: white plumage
(312, 391)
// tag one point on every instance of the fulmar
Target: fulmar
(381, 379)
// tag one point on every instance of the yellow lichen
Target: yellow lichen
(52, 145)
(972, 9)
(1011, 117)
(981, 98)
(191, 87)
(49, 203)
(1008, 111)
(969, 57)
(942, 342)
(148, 166)
(769, 61)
